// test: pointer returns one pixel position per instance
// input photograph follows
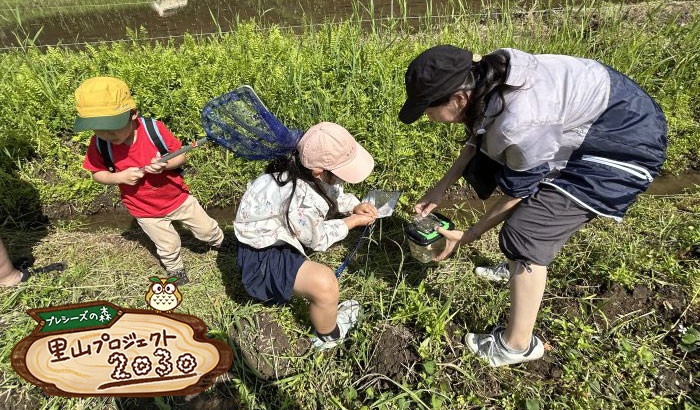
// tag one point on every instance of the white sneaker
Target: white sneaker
(490, 346)
(349, 312)
(498, 273)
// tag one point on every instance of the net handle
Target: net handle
(183, 150)
(186, 148)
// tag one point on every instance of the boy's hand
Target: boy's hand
(155, 167)
(131, 176)
(365, 209)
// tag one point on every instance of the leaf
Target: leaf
(687, 348)
(162, 405)
(691, 336)
(429, 367)
(154, 279)
(645, 355)
(350, 394)
(627, 345)
(532, 404)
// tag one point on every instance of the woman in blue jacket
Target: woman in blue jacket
(565, 139)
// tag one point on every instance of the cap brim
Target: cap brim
(411, 111)
(113, 122)
(358, 169)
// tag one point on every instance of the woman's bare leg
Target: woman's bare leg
(526, 291)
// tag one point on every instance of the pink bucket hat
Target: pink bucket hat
(330, 147)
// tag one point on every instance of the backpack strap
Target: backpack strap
(154, 135)
(105, 150)
(157, 140)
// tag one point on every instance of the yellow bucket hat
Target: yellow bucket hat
(103, 103)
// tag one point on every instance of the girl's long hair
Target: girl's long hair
(486, 78)
(288, 169)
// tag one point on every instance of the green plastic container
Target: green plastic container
(424, 240)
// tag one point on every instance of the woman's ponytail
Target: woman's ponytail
(486, 77)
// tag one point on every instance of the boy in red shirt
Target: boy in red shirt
(153, 192)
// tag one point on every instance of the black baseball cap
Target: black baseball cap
(434, 74)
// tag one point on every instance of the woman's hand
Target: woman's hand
(453, 240)
(429, 201)
(366, 209)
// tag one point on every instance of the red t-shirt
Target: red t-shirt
(155, 195)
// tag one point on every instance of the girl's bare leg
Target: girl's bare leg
(317, 283)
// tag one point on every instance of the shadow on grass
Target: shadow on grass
(389, 255)
(22, 221)
(230, 276)
(221, 396)
(134, 233)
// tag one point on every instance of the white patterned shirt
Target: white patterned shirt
(261, 217)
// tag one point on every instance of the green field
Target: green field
(618, 298)
(345, 73)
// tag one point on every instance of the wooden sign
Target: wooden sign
(99, 349)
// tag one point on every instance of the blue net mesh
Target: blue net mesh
(241, 123)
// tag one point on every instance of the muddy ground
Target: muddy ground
(266, 348)
(618, 306)
(394, 354)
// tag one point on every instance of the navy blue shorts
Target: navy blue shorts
(268, 274)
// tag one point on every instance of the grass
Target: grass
(597, 357)
(335, 72)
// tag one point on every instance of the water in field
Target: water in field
(77, 21)
(662, 185)
(456, 208)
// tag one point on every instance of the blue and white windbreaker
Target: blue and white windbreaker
(578, 126)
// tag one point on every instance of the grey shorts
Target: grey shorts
(540, 226)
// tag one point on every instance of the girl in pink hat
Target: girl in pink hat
(292, 205)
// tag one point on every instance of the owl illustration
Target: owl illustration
(163, 295)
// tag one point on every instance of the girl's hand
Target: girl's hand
(355, 220)
(429, 201)
(131, 176)
(155, 167)
(453, 239)
(366, 209)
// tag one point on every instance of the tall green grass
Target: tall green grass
(348, 73)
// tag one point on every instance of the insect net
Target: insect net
(241, 123)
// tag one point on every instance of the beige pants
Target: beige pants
(163, 233)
